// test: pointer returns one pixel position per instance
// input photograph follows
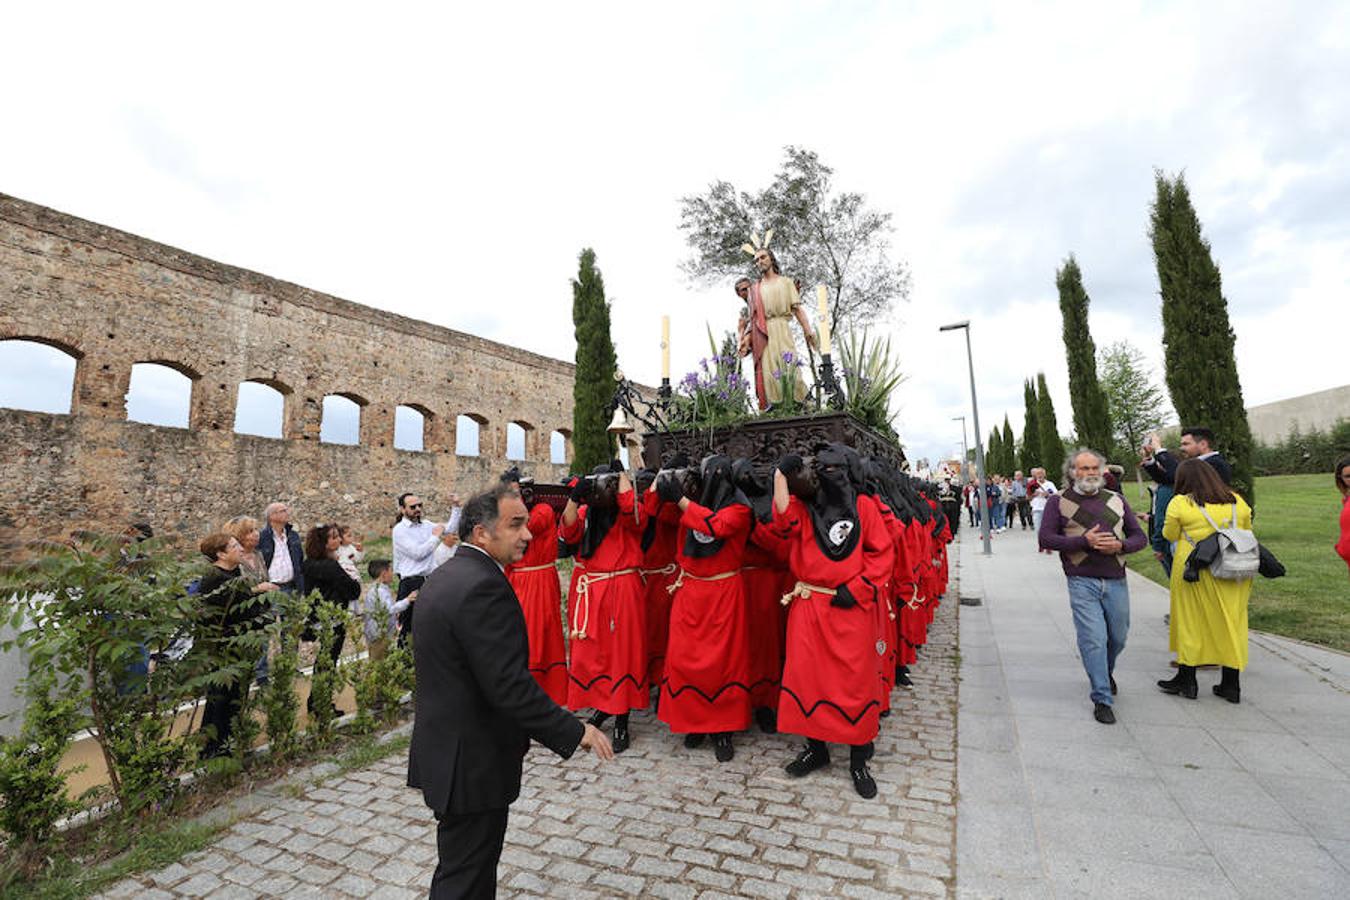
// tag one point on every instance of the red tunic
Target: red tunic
(909, 610)
(535, 579)
(830, 675)
(707, 683)
(608, 671)
(885, 614)
(658, 570)
(766, 576)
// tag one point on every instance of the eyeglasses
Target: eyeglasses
(414, 506)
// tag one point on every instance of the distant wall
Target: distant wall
(112, 299)
(1271, 422)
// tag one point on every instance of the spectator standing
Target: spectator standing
(1041, 490)
(1093, 528)
(415, 544)
(283, 569)
(1196, 443)
(1021, 503)
(323, 573)
(968, 497)
(1208, 623)
(951, 505)
(380, 611)
(244, 529)
(1343, 484)
(231, 609)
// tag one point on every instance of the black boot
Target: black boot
(863, 782)
(767, 720)
(621, 733)
(598, 718)
(1183, 683)
(902, 676)
(722, 748)
(694, 740)
(815, 756)
(1228, 687)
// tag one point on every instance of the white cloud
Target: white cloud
(449, 164)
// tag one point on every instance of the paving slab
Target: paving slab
(1181, 797)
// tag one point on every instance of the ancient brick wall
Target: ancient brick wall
(112, 299)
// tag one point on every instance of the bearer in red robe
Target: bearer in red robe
(841, 555)
(706, 688)
(608, 671)
(535, 581)
(766, 576)
(658, 571)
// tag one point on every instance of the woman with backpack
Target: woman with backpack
(1209, 614)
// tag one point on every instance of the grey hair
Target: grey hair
(1069, 463)
(271, 508)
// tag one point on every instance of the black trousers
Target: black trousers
(468, 848)
(405, 587)
(222, 705)
(1023, 512)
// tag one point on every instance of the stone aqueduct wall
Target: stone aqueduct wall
(111, 299)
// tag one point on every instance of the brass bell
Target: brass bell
(618, 424)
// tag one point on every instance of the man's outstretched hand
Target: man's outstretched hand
(594, 740)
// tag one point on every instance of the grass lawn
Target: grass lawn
(1296, 519)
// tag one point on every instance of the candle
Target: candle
(665, 347)
(824, 327)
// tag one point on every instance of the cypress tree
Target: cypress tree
(1009, 448)
(1091, 419)
(993, 455)
(1047, 430)
(593, 387)
(1031, 434)
(1201, 368)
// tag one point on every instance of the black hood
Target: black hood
(600, 518)
(719, 491)
(834, 511)
(753, 487)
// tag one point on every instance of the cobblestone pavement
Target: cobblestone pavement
(660, 821)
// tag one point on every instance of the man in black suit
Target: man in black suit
(477, 706)
(1196, 443)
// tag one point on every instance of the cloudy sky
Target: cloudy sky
(450, 165)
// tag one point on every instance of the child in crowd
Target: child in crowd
(350, 554)
(379, 610)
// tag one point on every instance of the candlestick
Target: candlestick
(824, 327)
(665, 347)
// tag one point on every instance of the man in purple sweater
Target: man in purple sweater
(1093, 528)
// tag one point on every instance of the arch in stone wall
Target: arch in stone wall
(162, 392)
(414, 436)
(335, 426)
(253, 409)
(38, 374)
(560, 446)
(469, 434)
(520, 440)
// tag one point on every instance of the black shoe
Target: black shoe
(694, 740)
(621, 739)
(722, 748)
(1103, 713)
(598, 718)
(863, 782)
(902, 676)
(1232, 695)
(808, 761)
(1114, 690)
(1183, 683)
(767, 720)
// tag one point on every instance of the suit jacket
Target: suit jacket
(477, 706)
(267, 547)
(1163, 468)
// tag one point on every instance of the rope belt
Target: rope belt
(581, 620)
(538, 568)
(720, 576)
(804, 590)
(668, 569)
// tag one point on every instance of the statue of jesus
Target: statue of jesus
(765, 330)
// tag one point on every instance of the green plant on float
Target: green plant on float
(870, 375)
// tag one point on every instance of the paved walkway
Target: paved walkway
(1181, 798)
(660, 821)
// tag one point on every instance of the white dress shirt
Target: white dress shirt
(414, 548)
(281, 571)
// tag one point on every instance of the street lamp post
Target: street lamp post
(980, 499)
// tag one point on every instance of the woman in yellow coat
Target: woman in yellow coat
(1209, 616)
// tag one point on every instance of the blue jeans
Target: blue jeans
(1101, 616)
(1000, 513)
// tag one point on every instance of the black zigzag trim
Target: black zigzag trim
(617, 684)
(837, 708)
(665, 689)
(550, 667)
(763, 681)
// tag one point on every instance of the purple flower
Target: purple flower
(789, 356)
(777, 373)
(723, 395)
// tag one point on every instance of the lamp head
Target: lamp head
(955, 326)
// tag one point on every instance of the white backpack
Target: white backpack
(1239, 553)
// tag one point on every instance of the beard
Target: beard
(1090, 485)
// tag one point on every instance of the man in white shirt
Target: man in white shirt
(1041, 489)
(415, 544)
